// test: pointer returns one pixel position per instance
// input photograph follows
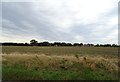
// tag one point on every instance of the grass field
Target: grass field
(59, 63)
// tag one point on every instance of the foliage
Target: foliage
(33, 42)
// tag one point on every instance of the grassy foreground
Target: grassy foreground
(59, 63)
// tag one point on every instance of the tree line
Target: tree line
(34, 42)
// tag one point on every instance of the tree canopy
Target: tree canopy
(34, 42)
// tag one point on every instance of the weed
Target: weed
(77, 56)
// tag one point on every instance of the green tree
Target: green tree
(33, 42)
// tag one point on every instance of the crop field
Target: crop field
(59, 63)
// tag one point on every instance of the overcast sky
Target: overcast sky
(87, 21)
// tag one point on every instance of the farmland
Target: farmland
(59, 63)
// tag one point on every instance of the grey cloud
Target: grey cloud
(23, 20)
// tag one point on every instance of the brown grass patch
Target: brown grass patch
(89, 61)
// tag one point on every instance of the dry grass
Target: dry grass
(88, 61)
(104, 51)
(53, 60)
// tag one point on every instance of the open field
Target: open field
(104, 51)
(59, 63)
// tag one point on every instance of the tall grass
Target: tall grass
(18, 66)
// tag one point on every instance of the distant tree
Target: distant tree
(107, 45)
(114, 45)
(20, 44)
(85, 45)
(26, 44)
(76, 44)
(33, 42)
(51, 44)
(69, 44)
(63, 44)
(81, 44)
(90, 44)
(45, 43)
(97, 45)
(57, 43)
(101, 45)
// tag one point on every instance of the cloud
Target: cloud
(88, 21)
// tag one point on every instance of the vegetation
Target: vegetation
(102, 51)
(59, 63)
(33, 42)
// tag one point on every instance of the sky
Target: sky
(86, 21)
